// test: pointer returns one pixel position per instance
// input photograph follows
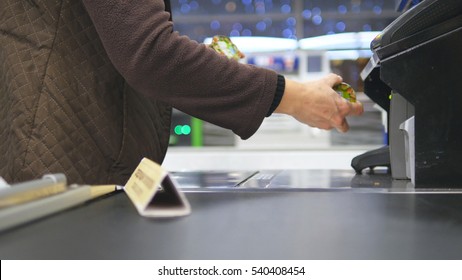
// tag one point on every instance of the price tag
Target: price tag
(154, 193)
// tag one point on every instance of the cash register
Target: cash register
(415, 75)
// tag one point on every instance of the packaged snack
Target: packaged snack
(346, 91)
(223, 45)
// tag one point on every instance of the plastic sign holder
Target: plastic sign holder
(154, 193)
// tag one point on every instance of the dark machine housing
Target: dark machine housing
(415, 74)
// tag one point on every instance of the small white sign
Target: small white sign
(154, 192)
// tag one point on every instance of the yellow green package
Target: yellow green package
(346, 91)
(223, 45)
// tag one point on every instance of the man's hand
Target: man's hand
(317, 104)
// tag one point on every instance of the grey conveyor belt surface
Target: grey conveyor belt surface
(252, 225)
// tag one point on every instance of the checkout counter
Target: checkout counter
(307, 214)
(317, 214)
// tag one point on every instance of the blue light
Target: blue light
(317, 19)
(291, 21)
(287, 33)
(237, 26)
(260, 7)
(286, 9)
(341, 26)
(377, 10)
(185, 8)
(342, 9)
(268, 21)
(194, 5)
(246, 32)
(234, 33)
(306, 14)
(316, 11)
(261, 26)
(215, 25)
(367, 27)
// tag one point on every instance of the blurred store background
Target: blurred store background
(304, 39)
(280, 18)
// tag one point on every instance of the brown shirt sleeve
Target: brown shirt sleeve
(163, 65)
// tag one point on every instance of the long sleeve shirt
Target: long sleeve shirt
(164, 65)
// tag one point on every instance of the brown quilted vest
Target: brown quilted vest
(63, 106)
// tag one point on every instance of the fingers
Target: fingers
(344, 109)
(357, 109)
(339, 122)
(344, 127)
(350, 108)
(333, 79)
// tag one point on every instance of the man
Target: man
(86, 89)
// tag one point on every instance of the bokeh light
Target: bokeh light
(280, 18)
